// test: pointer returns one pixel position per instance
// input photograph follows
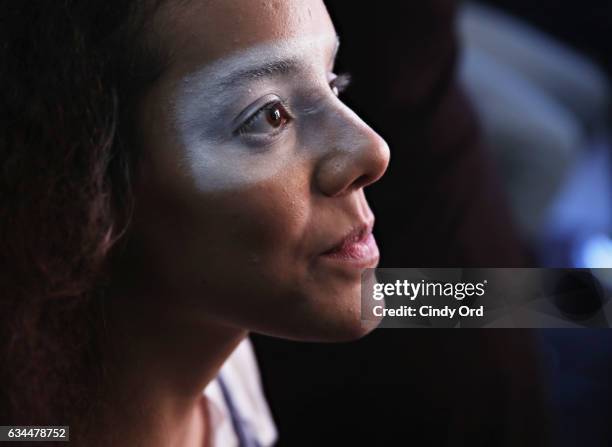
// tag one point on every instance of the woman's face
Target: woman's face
(253, 173)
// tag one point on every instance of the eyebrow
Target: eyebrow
(268, 69)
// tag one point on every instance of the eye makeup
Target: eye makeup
(250, 113)
(273, 116)
(218, 138)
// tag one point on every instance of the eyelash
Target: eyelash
(246, 126)
(341, 82)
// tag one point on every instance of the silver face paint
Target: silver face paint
(211, 102)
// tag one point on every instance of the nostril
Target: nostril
(362, 181)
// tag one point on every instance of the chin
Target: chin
(322, 319)
(343, 324)
(325, 332)
(340, 318)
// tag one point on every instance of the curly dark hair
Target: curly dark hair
(71, 73)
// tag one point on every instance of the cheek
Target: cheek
(253, 207)
(263, 223)
(220, 249)
(256, 230)
(247, 246)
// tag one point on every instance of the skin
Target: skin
(229, 228)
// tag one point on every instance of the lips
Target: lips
(357, 247)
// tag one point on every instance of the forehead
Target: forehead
(200, 32)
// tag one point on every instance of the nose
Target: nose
(357, 157)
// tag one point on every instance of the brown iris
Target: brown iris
(276, 116)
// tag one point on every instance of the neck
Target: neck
(160, 361)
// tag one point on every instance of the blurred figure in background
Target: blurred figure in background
(538, 74)
(541, 104)
(584, 25)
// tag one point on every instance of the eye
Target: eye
(268, 120)
(340, 83)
